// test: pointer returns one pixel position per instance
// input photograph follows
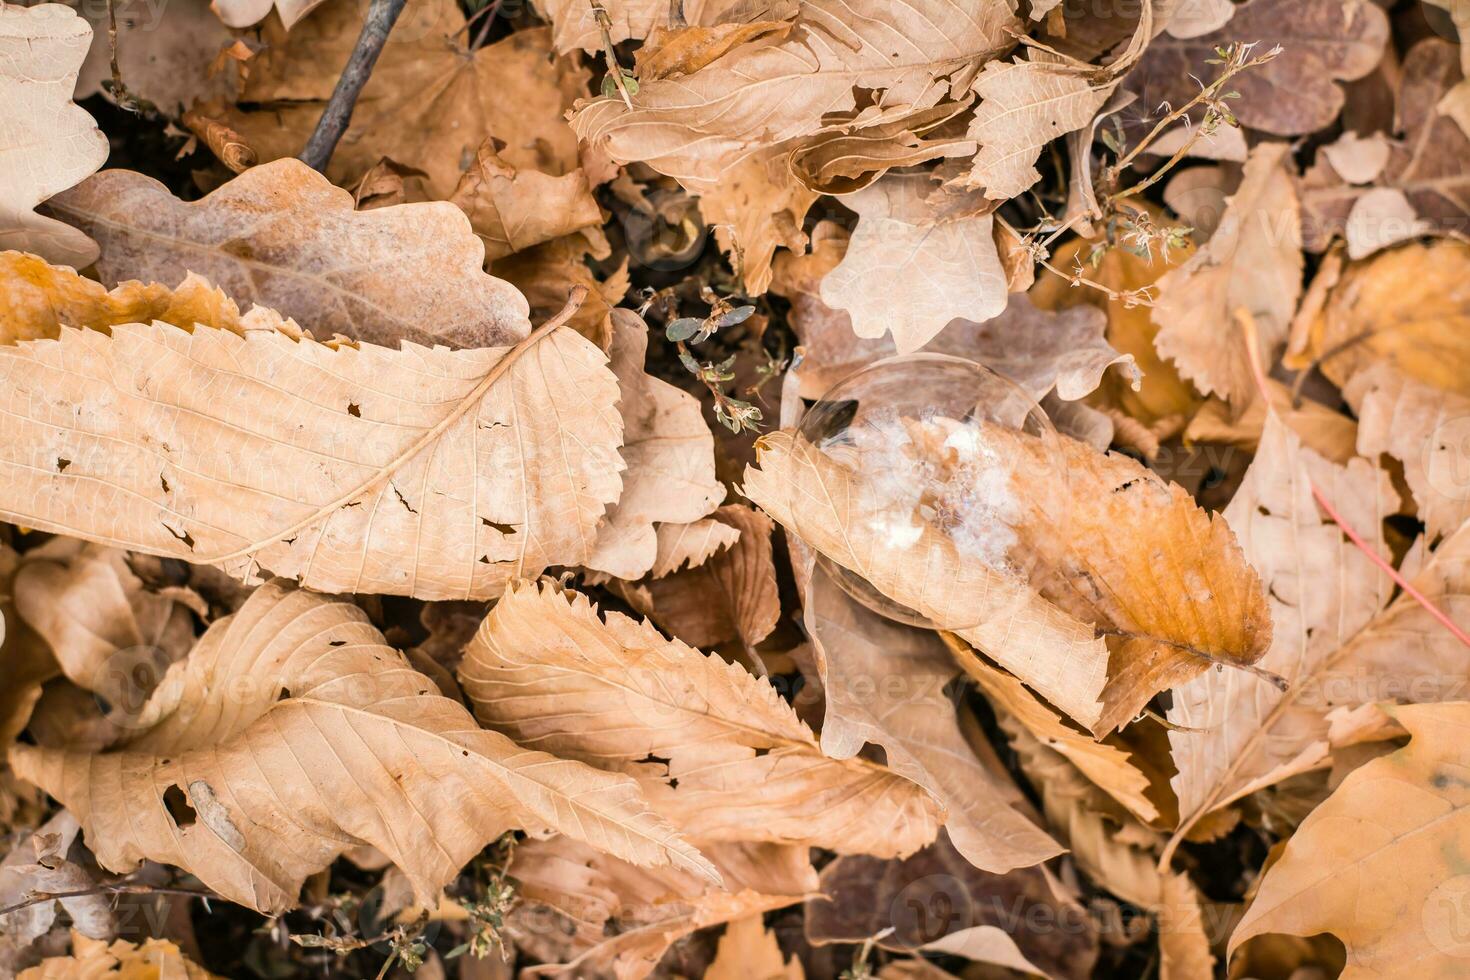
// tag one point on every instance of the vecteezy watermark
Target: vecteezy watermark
(1446, 459)
(1446, 916)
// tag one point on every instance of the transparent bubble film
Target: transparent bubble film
(944, 464)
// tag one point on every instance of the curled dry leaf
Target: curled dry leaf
(424, 472)
(551, 674)
(1323, 42)
(38, 864)
(670, 457)
(47, 144)
(885, 683)
(1092, 631)
(280, 235)
(1252, 262)
(291, 733)
(1376, 864)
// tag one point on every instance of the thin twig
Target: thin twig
(121, 888)
(604, 24)
(338, 113)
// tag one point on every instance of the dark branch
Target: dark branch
(338, 113)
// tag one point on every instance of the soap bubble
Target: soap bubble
(942, 443)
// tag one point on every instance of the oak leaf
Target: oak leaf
(280, 235)
(47, 143)
(293, 732)
(909, 270)
(548, 672)
(419, 471)
(1375, 864)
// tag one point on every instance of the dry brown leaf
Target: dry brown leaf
(1241, 732)
(548, 672)
(1106, 763)
(291, 733)
(280, 235)
(699, 126)
(1116, 852)
(909, 270)
(165, 60)
(1023, 105)
(430, 103)
(1377, 864)
(424, 472)
(108, 633)
(670, 53)
(1409, 306)
(885, 684)
(1102, 616)
(545, 273)
(95, 959)
(934, 897)
(1426, 169)
(748, 949)
(38, 863)
(514, 209)
(730, 598)
(1422, 428)
(598, 917)
(47, 144)
(1330, 434)
(1252, 262)
(691, 545)
(756, 207)
(1323, 42)
(670, 456)
(1162, 398)
(841, 162)
(28, 661)
(1039, 349)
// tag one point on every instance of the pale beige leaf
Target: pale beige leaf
(292, 733)
(95, 959)
(109, 634)
(425, 472)
(280, 235)
(21, 874)
(767, 92)
(547, 671)
(1193, 18)
(1422, 427)
(163, 59)
(691, 545)
(1025, 104)
(669, 452)
(908, 271)
(245, 13)
(1377, 864)
(1382, 217)
(1240, 730)
(47, 144)
(731, 598)
(1253, 261)
(513, 209)
(885, 684)
(748, 949)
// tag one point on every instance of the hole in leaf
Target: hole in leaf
(183, 536)
(353, 410)
(502, 528)
(163, 481)
(176, 802)
(62, 464)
